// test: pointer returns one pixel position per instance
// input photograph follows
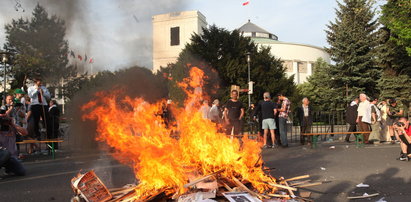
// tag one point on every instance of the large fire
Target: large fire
(164, 156)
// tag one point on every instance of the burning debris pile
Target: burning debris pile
(182, 160)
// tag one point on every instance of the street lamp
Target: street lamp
(5, 58)
(249, 79)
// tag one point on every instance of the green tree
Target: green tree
(396, 64)
(222, 55)
(353, 39)
(319, 87)
(396, 15)
(40, 47)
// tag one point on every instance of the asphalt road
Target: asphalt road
(340, 169)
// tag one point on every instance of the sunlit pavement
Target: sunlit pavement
(340, 169)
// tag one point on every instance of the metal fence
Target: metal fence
(330, 121)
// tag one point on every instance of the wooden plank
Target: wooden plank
(368, 196)
(298, 178)
(290, 191)
(298, 183)
(244, 188)
(279, 195)
(282, 186)
(202, 179)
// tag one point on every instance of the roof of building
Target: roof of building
(250, 27)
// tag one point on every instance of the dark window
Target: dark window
(175, 36)
(253, 34)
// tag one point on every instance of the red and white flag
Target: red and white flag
(91, 60)
(246, 3)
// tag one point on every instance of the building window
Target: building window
(302, 67)
(253, 34)
(175, 36)
(288, 66)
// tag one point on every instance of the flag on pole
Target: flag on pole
(79, 57)
(246, 3)
(91, 60)
(72, 54)
(85, 57)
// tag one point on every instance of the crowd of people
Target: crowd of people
(385, 120)
(381, 121)
(271, 116)
(20, 119)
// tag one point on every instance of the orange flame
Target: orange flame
(161, 161)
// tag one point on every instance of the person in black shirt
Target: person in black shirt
(268, 110)
(233, 114)
(351, 118)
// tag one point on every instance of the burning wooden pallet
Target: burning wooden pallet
(211, 187)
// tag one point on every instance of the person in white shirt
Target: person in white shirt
(205, 109)
(364, 116)
(214, 113)
(375, 135)
(39, 94)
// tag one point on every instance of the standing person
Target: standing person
(277, 122)
(233, 114)
(54, 121)
(204, 109)
(39, 95)
(351, 114)
(305, 116)
(214, 114)
(364, 116)
(268, 109)
(385, 136)
(282, 118)
(394, 112)
(375, 123)
(19, 97)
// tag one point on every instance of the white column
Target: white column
(295, 71)
(309, 69)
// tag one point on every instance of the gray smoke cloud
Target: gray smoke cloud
(115, 33)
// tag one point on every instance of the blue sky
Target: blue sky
(301, 21)
(107, 30)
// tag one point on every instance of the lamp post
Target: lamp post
(5, 58)
(249, 79)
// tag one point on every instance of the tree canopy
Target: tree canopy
(222, 55)
(353, 38)
(396, 15)
(40, 46)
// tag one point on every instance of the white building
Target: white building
(173, 30)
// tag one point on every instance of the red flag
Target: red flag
(91, 60)
(246, 3)
(79, 57)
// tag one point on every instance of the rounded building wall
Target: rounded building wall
(298, 59)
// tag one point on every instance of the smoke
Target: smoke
(114, 33)
(133, 82)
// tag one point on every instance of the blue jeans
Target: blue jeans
(14, 166)
(283, 130)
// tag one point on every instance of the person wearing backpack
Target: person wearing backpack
(375, 122)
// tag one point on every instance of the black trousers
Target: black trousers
(37, 112)
(305, 128)
(237, 127)
(352, 128)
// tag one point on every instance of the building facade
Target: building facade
(173, 30)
